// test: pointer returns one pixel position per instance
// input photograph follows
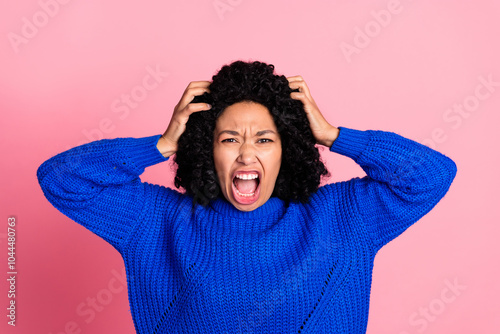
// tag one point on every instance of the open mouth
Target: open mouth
(246, 187)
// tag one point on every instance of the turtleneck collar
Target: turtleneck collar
(274, 206)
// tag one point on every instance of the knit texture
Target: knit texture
(305, 268)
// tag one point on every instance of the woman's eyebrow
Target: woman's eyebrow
(263, 132)
(235, 133)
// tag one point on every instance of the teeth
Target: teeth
(244, 195)
(247, 176)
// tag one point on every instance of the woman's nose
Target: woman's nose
(247, 154)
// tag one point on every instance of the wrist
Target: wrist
(333, 134)
(165, 147)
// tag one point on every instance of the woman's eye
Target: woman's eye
(228, 139)
(268, 140)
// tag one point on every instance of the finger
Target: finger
(194, 107)
(302, 97)
(178, 122)
(295, 78)
(189, 95)
(203, 83)
(197, 84)
(303, 88)
(196, 91)
(297, 95)
(309, 103)
(298, 83)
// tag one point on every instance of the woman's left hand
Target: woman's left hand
(324, 133)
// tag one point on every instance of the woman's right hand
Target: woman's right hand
(167, 144)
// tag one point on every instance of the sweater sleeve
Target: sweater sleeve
(98, 186)
(404, 179)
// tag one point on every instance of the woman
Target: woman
(254, 245)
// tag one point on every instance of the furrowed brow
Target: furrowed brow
(233, 133)
(263, 132)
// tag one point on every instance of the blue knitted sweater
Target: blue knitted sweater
(305, 268)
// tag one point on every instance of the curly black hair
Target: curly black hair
(301, 166)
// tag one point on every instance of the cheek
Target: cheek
(277, 160)
(222, 162)
(273, 162)
(278, 167)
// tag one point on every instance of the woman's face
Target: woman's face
(247, 154)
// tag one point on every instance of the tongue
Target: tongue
(245, 186)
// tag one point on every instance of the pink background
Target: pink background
(61, 85)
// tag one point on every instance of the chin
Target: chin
(247, 207)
